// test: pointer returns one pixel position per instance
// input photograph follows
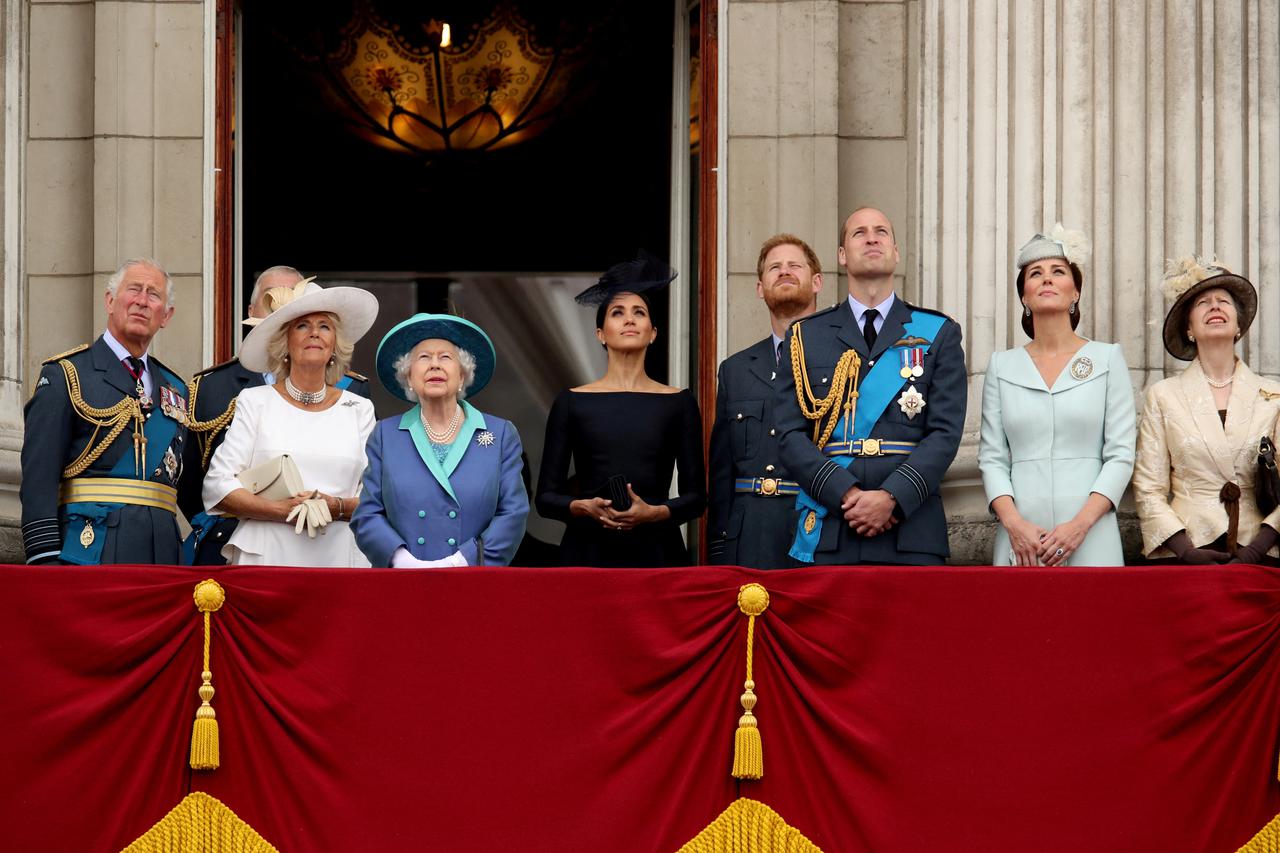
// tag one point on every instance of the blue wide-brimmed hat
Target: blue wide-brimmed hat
(464, 334)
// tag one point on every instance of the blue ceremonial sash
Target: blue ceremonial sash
(344, 383)
(159, 430)
(875, 393)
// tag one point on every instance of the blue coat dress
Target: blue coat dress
(1050, 448)
(432, 509)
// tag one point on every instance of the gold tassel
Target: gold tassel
(748, 751)
(209, 596)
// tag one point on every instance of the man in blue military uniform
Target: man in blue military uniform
(753, 503)
(211, 401)
(870, 413)
(105, 429)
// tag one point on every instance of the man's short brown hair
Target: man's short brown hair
(815, 266)
(844, 226)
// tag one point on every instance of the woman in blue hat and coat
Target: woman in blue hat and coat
(443, 485)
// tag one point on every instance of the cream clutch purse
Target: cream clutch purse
(276, 479)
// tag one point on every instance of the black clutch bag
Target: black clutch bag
(1267, 483)
(616, 492)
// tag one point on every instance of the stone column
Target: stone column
(148, 157)
(1151, 127)
(781, 168)
(103, 160)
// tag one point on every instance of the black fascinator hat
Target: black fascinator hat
(645, 273)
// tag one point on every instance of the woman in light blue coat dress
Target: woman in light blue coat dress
(1058, 425)
(443, 485)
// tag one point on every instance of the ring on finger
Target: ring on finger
(1059, 552)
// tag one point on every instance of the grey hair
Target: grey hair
(466, 361)
(113, 283)
(278, 269)
(343, 347)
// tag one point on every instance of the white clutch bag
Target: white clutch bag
(276, 479)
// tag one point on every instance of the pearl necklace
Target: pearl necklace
(441, 437)
(1223, 384)
(306, 398)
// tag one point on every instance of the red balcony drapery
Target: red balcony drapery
(901, 709)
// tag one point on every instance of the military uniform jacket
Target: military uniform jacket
(56, 438)
(920, 536)
(748, 528)
(213, 392)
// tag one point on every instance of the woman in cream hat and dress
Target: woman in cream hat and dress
(1198, 444)
(443, 486)
(307, 344)
(1057, 441)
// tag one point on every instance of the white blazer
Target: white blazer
(1186, 455)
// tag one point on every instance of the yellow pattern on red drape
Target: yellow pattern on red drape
(1266, 841)
(749, 826)
(201, 824)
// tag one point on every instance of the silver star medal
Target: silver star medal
(172, 466)
(484, 438)
(911, 402)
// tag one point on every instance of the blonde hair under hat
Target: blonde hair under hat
(355, 307)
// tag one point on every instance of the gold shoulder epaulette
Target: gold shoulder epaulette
(53, 358)
(215, 367)
(357, 376)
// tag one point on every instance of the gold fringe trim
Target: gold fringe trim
(749, 826)
(200, 824)
(1266, 841)
(748, 751)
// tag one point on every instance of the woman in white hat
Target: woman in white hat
(1198, 446)
(307, 344)
(443, 485)
(1057, 445)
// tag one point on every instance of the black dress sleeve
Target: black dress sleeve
(720, 475)
(553, 496)
(691, 479)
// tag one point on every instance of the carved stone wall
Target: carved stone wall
(1152, 127)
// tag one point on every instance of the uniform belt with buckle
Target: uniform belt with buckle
(869, 447)
(767, 486)
(119, 490)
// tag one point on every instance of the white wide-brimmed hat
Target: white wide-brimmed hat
(355, 307)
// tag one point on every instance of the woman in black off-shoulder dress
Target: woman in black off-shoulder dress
(625, 426)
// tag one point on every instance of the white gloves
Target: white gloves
(313, 514)
(402, 559)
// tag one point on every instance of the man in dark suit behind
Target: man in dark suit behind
(753, 504)
(212, 394)
(878, 415)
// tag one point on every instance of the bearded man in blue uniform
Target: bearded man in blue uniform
(752, 499)
(211, 400)
(870, 413)
(104, 436)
